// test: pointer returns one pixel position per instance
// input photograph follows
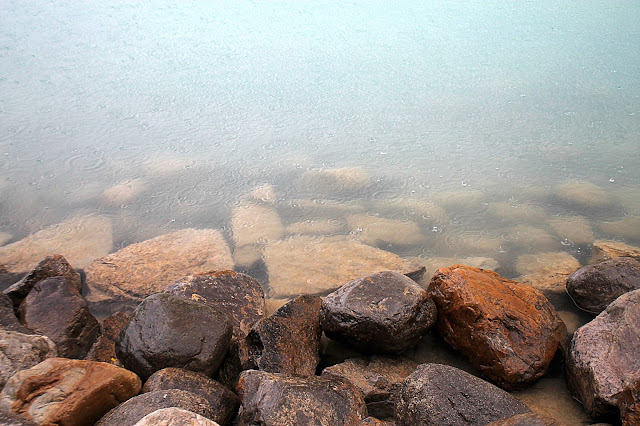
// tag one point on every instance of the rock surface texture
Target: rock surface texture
(437, 394)
(528, 419)
(605, 250)
(174, 417)
(8, 319)
(508, 330)
(104, 348)
(22, 351)
(169, 331)
(68, 392)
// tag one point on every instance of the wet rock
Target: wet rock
(235, 294)
(604, 358)
(628, 228)
(80, 239)
(583, 195)
(330, 181)
(593, 287)
(8, 319)
(417, 209)
(472, 244)
(104, 348)
(69, 392)
(317, 227)
(20, 351)
(384, 312)
(174, 417)
(224, 403)
(437, 394)
(605, 250)
(135, 409)
(455, 201)
(145, 268)
(307, 265)
(55, 308)
(253, 226)
(378, 378)
(575, 229)
(508, 330)
(517, 212)
(374, 230)
(279, 399)
(169, 331)
(548, 273)
(372, 421)
(123, 192)
(528, 419)
(435, 263)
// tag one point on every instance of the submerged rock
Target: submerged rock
(628, 228)
(253, 226)
(374, 230)
(123, 192)
(517, 212)
(575, 229)
(434, 263)
(605, 250)
(20, 351)
(528, 419)
(547, 272)
(529, 237)
(583, 195)
(329, 181)
(317, 227)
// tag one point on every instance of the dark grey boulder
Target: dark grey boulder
(381, 313)
(593, 287)
(438, 394)
(170, 331)
(8, 319)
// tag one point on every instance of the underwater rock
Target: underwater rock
(472, 244)
(253, 226)
(417, 209)
(628, 228)
(319, 209)
(264, 194)
(605, 250)
(529, 237)
(435, 263)
(374, 230)
(517, 212)
(455, 201)
(145, 268)
(547, 272)
(583, 195)
(575, 229)
(317, 227)
(104, 348)
(174, 416)
(329, 181)
(19, 351)
(123, 192)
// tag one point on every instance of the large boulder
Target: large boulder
(253, 225)
(603, 366)
(104, 348)
(20, 351)
(384, 312)
(169, 331)
(438, 394)
(279, 399)
(7, 418)
(55, 308)
(69, 392)
(174, 416)
(145, 268)
(508, 330)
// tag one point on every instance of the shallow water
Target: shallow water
(491, 129)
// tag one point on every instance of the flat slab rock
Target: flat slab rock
(278, 399)
(508, 331)
(145, 268)
(174, 417)
(438, 394)
(20, 351)
(309, 265)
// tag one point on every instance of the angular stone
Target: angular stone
(374, 230)
(528, 419)
(55, 308)
(279, 399)
(547, 272)
(20, 351)
(174, 417)
(605, 250)
(628, 228)
(169, 331)
(575, 229)
(593, 287)
(508, 330)
(604, 358)
(306, 265)
(237, 295)
(145, 268)
(135, 409)
(378, 378)
(8, 319)
(224, 403)
(381, 313)
(438, 394)
(68, 392)
(104, 348)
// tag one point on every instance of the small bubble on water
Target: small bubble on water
(612, 180)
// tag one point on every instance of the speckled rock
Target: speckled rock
(437, 394)
(8, 418)
(20, 351)
(104, 348)
(174, 417)
(528, 419)
(372, 421)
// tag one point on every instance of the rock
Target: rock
(373, 230)
(247, 256)
(434, 263)
(224, 403)
(264, 194)
(8, 418)
(317, 227)
(575, 229)
(8, 319)
(55, 308)
(235, 294)
(330, 181)
(528, 419)
(605, 250)
(372, 421)
(472, 244)
(547, 272)
(69, 392)
(80, 239)
(517, 212)
(417, 209)
(124, 192)
(306, 265)
(604, 358)
(378, 378)
(279, 399)
(454, 201)
(381, 313)
(174, 417)
(583, 195)
(51, 266)
(509, 331)
(319, 209)
(135, 409)
(253, 226)
(104, 348)
(5, 237)
(169, 331)
(145, 268)
(628, 228)
(20, 351)
(436, 394)
(531, 238)
(594, 287)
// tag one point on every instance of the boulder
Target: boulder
(432, 264)
(145, 268)
(372, 421)
(438, 394)
(253, 226)
(279, 399)
(235, 294)
(330, 181)
(55, 308)
(169, 331)
(381, 313)
(509, 331)
(574, 229)
(517, 212)
(593, 287)
(8, 418)
(8, 319)
(174, 417)
(123, 192)
(628, 228)
(604, 359)
(20, 351)
(104, 348)
(308, 265)
(135, 409)
(605, 250)
(583, 195)
(548, 273)
(68, 392)
(527, 419)
(373, 230)
(224, 403)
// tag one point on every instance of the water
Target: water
(482, 109)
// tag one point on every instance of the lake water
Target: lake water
(499, 128)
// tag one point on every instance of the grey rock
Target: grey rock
(22, 351)
(8, 319)
(11, 419)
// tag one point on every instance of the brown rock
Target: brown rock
(174, 417)
(104, 348)
(508, 330)
(527, 419)
(8, 319)
(605, 250)
(21, 351)
(629, 227)
(68, 392)
(372, 421)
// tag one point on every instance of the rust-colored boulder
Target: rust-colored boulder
(104, 348)
(509, 331)
(68, 392)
